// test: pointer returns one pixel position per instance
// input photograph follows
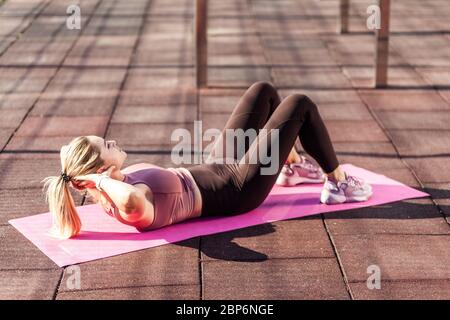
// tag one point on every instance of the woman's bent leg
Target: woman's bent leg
(252, 112)
(229, 189)
(296, 116)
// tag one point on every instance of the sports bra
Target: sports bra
(174, 197)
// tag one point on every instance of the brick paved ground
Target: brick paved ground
(128, 75)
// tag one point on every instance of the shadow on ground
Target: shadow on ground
(222, 246)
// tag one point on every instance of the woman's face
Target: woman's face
(111, 154)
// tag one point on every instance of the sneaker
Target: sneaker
(352, 189)
(301, 172)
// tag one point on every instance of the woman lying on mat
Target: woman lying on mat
(149, 197)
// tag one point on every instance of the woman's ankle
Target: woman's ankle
(337, 175)
(293, 157)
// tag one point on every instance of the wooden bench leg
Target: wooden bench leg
(344, 9)
(200, 34)
(382, 46)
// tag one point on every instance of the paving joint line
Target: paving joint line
(25, 28)
(338, 258)
(269, 258)
(130, 287)
(30, 269)
(58, 285)
(403, 280)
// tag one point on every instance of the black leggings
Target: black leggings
(238, 187)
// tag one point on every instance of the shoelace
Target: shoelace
(308, 165)
(354, 181)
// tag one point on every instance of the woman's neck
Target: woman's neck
(120, 176)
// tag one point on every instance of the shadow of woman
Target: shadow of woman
(222, 246)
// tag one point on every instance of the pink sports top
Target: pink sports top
(174, 196)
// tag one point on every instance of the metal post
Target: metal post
(200, 34)
(344, 15)
(382, 46)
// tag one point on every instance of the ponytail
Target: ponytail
(80, 157)
(66, 222)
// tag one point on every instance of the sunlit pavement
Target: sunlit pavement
(128, 75)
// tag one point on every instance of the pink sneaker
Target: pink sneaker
(302, 172)
(352, 189)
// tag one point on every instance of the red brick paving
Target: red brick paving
(73, 106)
(26, 284)
(404, 290)
(142, 136)
(161, 96)
(419, 120)
(431, 169)
(26, 173)
(155, 114)
(62, 126)
(399, 256)
(355, 131)
(405, 100)
(143, 268)
(14, 204)
(270, 239)
(421, 142)
(57, 83)
(19, 253)
(317, 278)
(419, 216)
(178, 292)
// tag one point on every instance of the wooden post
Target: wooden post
(382, 46)
(344, 10)
(200, 34)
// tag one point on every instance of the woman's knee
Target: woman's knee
(301, 102)
(263, 86)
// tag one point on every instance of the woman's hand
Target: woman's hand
(90, 180)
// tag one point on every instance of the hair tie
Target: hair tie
(65, 177)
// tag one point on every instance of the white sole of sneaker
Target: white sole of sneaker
(293, 181)
(329, 198)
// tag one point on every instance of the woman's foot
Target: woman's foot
(303, 171)
(351, 189)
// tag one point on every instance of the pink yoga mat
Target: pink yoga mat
(103, 236)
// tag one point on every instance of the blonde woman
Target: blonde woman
(148, 197)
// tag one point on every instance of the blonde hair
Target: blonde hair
(79, 157)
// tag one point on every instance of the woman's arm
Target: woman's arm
(125, 196)
(130, 204)
(140, 210)
(120, 194)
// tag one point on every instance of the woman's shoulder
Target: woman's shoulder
(158, 179)
(138, 167)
